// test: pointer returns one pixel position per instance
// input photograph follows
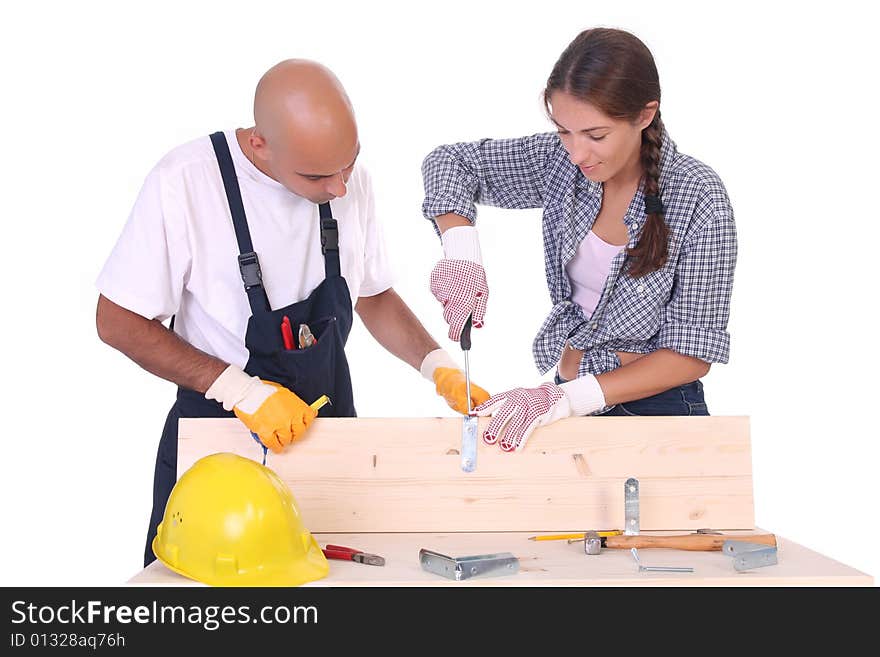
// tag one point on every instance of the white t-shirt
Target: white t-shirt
(588, 270)
(178, 255)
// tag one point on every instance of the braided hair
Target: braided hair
(649, 254)
(613, 70)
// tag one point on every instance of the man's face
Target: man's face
(601, 147)
(316, 168)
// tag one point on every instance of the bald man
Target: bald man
(254, 242)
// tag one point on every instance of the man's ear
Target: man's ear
(258, 144)
(647, 114)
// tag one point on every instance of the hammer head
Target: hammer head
(592, 543)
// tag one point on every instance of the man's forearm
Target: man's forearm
(650, 375)
(155, 348)
(390, 321)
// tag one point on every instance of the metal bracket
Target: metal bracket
(631, 506)
(459, 568)
(469, 443)
(659, 569)
(750, 555)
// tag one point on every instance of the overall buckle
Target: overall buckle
(329, 236)
(251, 273)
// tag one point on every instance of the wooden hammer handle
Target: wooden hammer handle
(686, 541)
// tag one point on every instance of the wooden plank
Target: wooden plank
(554, 563)
(404, 475)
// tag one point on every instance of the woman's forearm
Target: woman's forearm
(649, 375)
(450, 220)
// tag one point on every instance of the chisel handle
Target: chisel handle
(466, 334)
(701, 542)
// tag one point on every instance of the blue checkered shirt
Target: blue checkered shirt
(683, 306)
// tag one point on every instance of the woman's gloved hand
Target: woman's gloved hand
(458, 281)
(518, 412)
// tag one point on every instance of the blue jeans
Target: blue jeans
(683, 400)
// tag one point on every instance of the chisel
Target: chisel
(469, 423)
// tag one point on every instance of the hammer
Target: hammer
(593, 543)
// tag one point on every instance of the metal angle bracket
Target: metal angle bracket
(747, 556)
(658, 569)
(631, 506)
(469, 443)
(460, 568)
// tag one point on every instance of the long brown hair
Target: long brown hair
(615, 71)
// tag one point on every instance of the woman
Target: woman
(639, 245)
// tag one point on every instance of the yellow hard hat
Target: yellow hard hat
(230, 521)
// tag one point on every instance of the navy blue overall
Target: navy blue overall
(321, 369)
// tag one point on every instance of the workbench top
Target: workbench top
(554, 563)
(392, 486)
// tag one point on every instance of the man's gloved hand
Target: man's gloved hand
(448, 377)
(268, 409)
(459, 281)
(518, 412)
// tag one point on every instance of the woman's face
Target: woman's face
(601, 147)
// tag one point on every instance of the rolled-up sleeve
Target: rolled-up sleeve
(507, 173)
(695, 322)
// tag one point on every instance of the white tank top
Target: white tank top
(588, 270)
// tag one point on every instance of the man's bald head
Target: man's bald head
(305, 123)
(301, 103)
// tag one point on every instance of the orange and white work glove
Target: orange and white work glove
(518, 412)
(270, 410)
(459, 281)
(448, 377)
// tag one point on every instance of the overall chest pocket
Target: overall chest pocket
(635, 308)
(311, 372)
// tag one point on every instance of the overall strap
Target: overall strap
(248, 263)
(329, 241)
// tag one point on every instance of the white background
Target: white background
(781, 102)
